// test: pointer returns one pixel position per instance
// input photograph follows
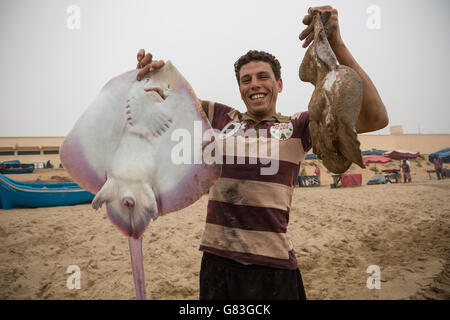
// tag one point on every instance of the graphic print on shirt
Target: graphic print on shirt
(230, 129)
(282, 131)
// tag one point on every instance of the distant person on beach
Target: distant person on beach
(301, 176)
(247, 253)
(317, 172)
(438, 166)
(406, 169)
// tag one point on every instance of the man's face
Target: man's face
(259, 89)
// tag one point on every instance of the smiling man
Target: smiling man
(259, 84)
(247, 253)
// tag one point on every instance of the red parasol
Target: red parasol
(401, 154)
(376, 159)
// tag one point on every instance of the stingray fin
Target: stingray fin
(105, 194)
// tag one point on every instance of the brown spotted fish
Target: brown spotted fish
(335, 103)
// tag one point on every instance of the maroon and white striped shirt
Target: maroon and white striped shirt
(248, 212)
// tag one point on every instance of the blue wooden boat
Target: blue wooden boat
(16, 194)
(15, 167)
(11, 162)
(16, 170)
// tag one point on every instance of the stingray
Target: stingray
(122, 149)
(336, 101)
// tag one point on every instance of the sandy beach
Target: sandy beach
(404, 229)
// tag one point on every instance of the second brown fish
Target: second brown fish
(335, 103)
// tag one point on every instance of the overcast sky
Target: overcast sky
(51, 69)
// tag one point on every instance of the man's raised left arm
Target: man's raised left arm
(373, 115)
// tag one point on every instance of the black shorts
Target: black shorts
(225, 279)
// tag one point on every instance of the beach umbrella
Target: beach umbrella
(401, 154)
(373, 152)
(311, 156)
(376, 159)
(443, 153)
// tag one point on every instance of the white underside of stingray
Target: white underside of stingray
(121, 150)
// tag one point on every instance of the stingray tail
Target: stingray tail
(137, 266)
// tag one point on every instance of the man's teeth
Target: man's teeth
(257, 96)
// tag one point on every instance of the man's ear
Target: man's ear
(280, 85)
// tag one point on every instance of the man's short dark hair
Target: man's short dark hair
(254, 55)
